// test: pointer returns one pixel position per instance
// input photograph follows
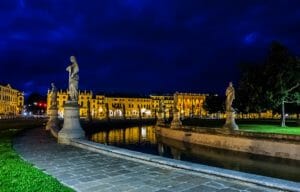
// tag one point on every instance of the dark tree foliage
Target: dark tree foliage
(214, 104)
(251, 95)
(282, 70)
(272, 84)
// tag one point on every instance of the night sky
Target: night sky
(140, 46)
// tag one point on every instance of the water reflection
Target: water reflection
(146, 140)
(132, 135)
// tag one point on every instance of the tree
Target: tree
(270, 85)
(251, 90)
(214, 104)
(282, 74)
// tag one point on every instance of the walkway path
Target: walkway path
(84, 170)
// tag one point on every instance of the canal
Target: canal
(144, 139)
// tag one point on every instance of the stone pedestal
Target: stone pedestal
(230, 122)
(53, 122)
(53, 118)
(71, 128)
(176, 122)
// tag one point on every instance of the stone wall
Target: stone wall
(250, 143)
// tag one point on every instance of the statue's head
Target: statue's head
(52, 85)
(230, 84)
(73, 59)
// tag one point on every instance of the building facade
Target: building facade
(132, 107)
(191, 104)
(11, 101)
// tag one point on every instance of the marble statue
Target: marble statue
(73, 70)
(53, 123)
(175, 102)
(160, 114)
(176, 122)
(161, 105)
(230, 124)
(230, 96)
(53, 100)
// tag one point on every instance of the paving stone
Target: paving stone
(215, 185)
(89, 171)
(201, 188)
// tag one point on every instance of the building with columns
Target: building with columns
(11, 101)
(191, 104)
(104, 106)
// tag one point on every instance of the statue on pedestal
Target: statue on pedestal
(230, 119)
(160, 118)
(52, 123)
(176, 122)
(71, 127)
(73, 70)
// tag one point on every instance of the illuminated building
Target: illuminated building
(62, 97)
(191, 104)
(167, 104)
(11, 101)
(128, 106)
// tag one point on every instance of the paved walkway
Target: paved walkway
(84, 170)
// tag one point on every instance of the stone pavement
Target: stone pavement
(84, 170)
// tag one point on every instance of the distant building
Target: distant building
(191, 104)
(11, 101)
(132, 106)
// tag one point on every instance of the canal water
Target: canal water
(145, 139)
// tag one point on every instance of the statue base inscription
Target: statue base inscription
(71, 128)
(230, 122)
(176, 122)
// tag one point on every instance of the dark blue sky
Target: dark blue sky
(140, 46)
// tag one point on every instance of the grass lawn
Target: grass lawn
(16, 174)
(270, 129)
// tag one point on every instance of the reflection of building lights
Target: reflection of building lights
(144, 132)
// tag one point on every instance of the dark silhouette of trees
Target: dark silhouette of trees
(214, 104)
(272, 84)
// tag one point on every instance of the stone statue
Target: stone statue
(175, 102)
(161, 105)
(53, 100)
(73, 70)
(71, 127)
(230, 124)
(230, 96)
(176, 122)
(52, 124)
